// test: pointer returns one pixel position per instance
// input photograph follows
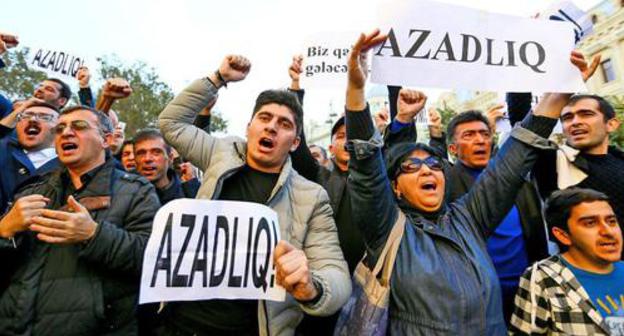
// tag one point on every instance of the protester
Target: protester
(154, 162)
(308, 261)
(31, 152)
(126, 156)
(580, 291)
(78, 234)
(443, 253)
(334, 181)
(320, 155)
(591, 163)
(520, 239)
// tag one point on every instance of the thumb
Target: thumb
(282, 248)
(74, 205)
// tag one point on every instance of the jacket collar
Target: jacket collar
(99, 183)
(563, 276)
(287, 170)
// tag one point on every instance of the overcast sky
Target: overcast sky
(186, 39)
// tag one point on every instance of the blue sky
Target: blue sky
(186, 39)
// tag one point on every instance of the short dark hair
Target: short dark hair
(150, 133)
(323, 151)
(462, 118)
(104, 123)
(46, 105)
(65, 89)
(559, 206)
(603, 105)
(285, 98)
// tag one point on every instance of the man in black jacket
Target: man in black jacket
(78, 234)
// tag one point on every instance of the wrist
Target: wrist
(404, 119)
(215, 80)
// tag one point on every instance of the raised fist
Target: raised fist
(83, 76)
(296, 67)
(435, 123)
(116, 88)
(409, 103)
(234, 68)
(493, 114)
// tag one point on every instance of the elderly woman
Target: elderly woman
(443, 282)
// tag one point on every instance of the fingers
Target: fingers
(75, 205)
(282, 248)
(239, 63)
(55, 214)
(412, 96)
(52, 239)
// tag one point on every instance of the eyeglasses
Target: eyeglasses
(26, 115)
(412, 165)
(75, 125)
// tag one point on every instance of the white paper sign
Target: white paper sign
(568, 12)
(325, 59)
(56, 63)
(202, 249)
(439, 45)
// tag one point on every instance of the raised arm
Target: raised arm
(83, 75)
(302, 160)
(409, 103)
(370, 187)
(176, 120)
(494, 193)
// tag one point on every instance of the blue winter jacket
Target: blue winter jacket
(443, 282)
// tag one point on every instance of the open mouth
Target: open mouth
(69, 147)
(578, 132)
(608, 244)
(32, 130)
(429, 186)
(480, 152)
(148, 169)
(267, 143)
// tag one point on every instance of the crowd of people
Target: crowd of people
(519, 235)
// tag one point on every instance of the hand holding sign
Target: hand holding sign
(577, 58)
(21, 215)
(292, 272)
(83, 76)
(61, 227)
(409, 103)
(234, 68)
(357, 71)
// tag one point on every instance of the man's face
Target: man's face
(317, 154)
(584, 125)
(472, 144)
(34, 128)
(337, 147)
(127, 157)
(80, 144)
(424, 188)
(50, 92)
(117, 140)
(271, 135)
(152, 160)
(594, 236)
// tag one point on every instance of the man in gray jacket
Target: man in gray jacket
(309, 262)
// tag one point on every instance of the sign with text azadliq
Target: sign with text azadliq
(439, 45)
(56, 63)
(203, 249)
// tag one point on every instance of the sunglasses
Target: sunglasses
(26, 115)
(75, 125)
(412, 165)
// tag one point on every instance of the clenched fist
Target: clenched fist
(292, 272)
(234, 68)
(409, 103)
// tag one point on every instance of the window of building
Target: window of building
(608, 72)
